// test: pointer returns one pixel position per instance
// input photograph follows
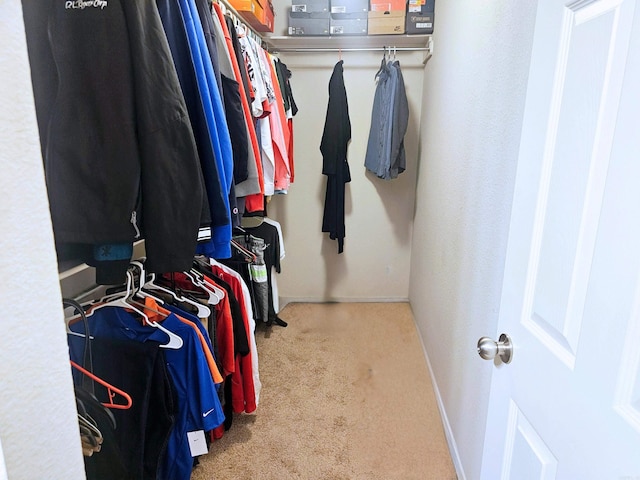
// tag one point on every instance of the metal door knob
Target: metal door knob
(489, 349)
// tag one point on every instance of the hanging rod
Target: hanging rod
(377, 49)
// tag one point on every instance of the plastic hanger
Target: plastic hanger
(175, 342)
(202, 310)
(383, 63)
(216, 294)
(86, 420)
(249, 256)
(213, 298)
(112, 391)
(142, 281)
(88, 401)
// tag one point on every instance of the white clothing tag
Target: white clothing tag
(197, 443)
(204, 234)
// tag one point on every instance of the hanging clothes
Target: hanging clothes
(176, 34)
(335, 141)
(139, 440)
(197, 403)
(281, 254)
(290, 107)
(389, 120)
(253, 184)
(219, 245)
(117, 145)
(399, 126)
(279, 131)
(246, 386)
(253, 201)
(271, 255)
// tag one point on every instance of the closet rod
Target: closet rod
(397, 49)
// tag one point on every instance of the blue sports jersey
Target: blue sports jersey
(192, 318)
(198, 404)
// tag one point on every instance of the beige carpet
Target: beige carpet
(346, 395)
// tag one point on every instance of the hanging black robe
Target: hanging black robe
(335, 141)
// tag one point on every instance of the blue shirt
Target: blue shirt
(196, 320)
(220, 244)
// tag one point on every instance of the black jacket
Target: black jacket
(114, 129)
(335, 141)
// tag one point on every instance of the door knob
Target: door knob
(489, 349)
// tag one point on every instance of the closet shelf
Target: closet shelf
(277, 43)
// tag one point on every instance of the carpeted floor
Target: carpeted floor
(346, 395)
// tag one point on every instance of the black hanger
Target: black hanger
(87, 360)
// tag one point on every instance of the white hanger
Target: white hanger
(143, 276)
(175, 342)
(202, 310)
(216, 294)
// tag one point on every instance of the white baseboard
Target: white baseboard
(285, 300)
(448, 433)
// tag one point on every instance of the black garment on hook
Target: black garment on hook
(118, 148)
(335, 141)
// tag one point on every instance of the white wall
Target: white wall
(379, 214)
(375, 262)
(472, 108)
(38, 423)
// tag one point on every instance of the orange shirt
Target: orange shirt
(243, 98)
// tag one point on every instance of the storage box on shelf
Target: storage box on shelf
(258, 14)
(310, 6)
(350, 6)
(349, 17)
(314, 24)
(420, 15)
(386, 22)
(348, 24)
(360, 17)
(269, 18)
(388, 5)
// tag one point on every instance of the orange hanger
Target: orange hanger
(113, 391)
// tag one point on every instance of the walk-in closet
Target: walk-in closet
(302, 317)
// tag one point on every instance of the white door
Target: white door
(568, 404)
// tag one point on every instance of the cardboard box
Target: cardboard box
(310, 6)
(350, 6)
(348, 24)
(387, 23)
(268, 18)
(388, 5)
(301, 23)
(420, 15)
(249, 10)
